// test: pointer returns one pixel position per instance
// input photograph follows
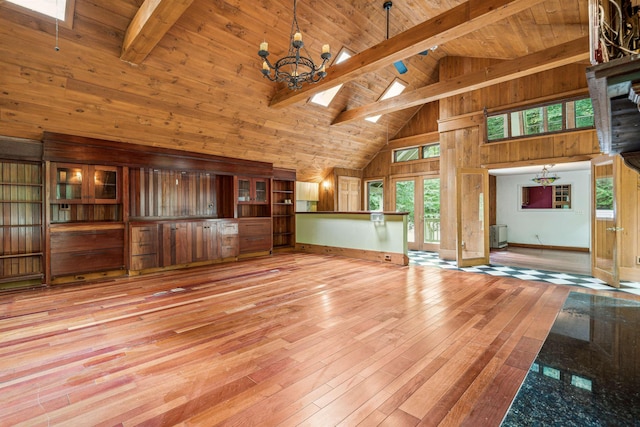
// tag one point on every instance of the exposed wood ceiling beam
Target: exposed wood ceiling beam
(149, 25)
(462, 19)
(564, 54)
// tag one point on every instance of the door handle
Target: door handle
(615, 228)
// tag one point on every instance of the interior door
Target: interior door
(605, 244)
(472, 201)
(348, 194)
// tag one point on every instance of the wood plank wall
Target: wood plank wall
(460, 121)
(172, 193)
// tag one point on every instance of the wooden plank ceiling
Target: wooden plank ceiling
(186, 74)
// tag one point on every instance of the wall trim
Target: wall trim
(388, 257)
(555, 248)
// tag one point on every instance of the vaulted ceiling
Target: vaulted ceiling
(199, 87)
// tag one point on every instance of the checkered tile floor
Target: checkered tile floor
(430, 259)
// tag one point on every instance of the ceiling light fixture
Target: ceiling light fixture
(544, 179)
(294, 69)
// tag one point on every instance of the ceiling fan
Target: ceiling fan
(398, 64)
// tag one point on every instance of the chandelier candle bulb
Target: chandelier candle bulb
(264, 46)
(297, 37)
(325, 48)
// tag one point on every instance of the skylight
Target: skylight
(325, 97)
(51, 8)
(395, 89)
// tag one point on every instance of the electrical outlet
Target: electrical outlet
(638, 260)
(387, 257)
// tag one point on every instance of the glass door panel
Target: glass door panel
(261, 191)
(69, 183)
(405, 195)
(244, 190)
(604, 263)
(431, 217)
(105, 184)
(473, 217)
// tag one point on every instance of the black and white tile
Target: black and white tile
(431, 259)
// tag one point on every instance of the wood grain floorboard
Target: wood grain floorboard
(291, 339)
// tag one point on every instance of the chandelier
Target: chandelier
(294, 69)
(544, 179)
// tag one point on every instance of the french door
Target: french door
(472, 200)
(605, 244)
(420, 197)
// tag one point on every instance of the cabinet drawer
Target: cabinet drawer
(144, 248)
(227, 228)
(68, 263)
(255, 227)
(228, 246)
(144, 234)
(82, 241)
(141, 262)
(255, 243)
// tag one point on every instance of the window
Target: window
(540, 119)
(54, 9)
(325, 97)
(428, 151)
(406, 154)
(395, 88)
(375, 196)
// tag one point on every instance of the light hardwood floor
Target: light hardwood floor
(543, 259)
(292, 339)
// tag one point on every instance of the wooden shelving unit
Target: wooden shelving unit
(21, 226)
(284, 209)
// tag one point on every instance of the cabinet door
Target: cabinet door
(244, 190)
(205, 241)
(253, 190)
(261, 191)
(176, 243)
(106, 188)
(69, 183)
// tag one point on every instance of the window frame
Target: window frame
(421, 153)
(508, 124)
(367, 194)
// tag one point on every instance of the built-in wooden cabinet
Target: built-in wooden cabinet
(180, 242)
(252, 197)
(86, 248)
(283, 211)
(21, 231)
(254, 235)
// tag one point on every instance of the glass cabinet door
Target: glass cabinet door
(69, 183)
(105, 184)
(244, 190)
(261, 191)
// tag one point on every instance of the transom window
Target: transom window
(560, 116)
(416, 153)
